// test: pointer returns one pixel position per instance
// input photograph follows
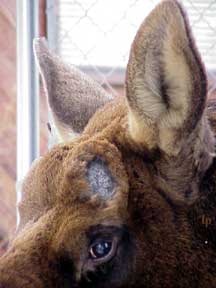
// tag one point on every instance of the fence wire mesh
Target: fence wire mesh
(96, 34)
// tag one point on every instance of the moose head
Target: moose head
(121, 200)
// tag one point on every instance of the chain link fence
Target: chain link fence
(96, 34)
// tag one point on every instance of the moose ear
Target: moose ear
(166, 81)
(72, 96)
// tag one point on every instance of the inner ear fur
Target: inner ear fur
(166, 81)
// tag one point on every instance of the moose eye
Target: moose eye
(103, 250)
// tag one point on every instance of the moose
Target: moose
(121, 199)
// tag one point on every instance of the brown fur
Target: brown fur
(158, 204)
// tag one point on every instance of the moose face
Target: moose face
(117, 202)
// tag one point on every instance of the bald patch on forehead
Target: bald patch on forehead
(100, 179)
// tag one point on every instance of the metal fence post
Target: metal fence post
(27, 90)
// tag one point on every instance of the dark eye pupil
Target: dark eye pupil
(101, 249)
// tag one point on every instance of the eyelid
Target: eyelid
(96, 240)
(102, 231)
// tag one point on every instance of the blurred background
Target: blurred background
(93, 34)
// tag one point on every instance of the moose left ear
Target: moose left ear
(73, 97)
(166, 80)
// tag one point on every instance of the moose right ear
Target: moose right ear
(73, 97)
(166, 81)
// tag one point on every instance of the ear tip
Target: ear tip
(42, 53)
(172, 4)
